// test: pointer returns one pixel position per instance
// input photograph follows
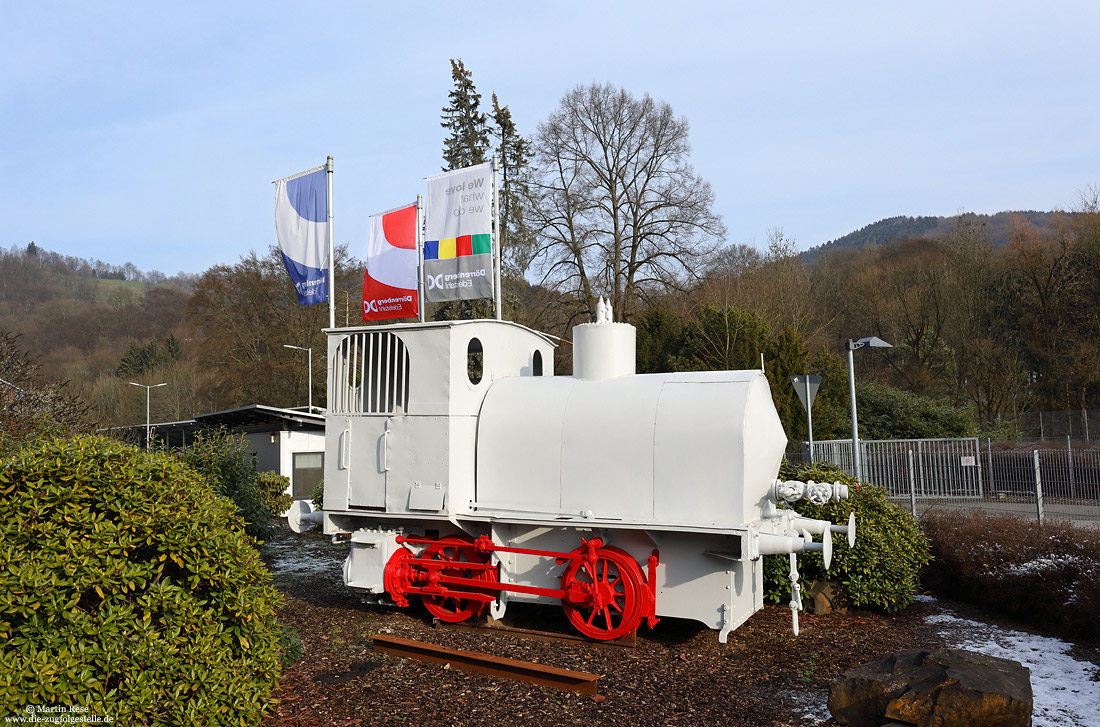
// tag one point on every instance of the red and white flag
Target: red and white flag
(390, 283)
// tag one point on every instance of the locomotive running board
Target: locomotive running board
(564, 679)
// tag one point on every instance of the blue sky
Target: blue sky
(149, 132)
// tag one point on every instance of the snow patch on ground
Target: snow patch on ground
(298, 564)
(812, 705)
(1066, 690)
(302, 556)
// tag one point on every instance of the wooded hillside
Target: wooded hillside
(980, 333)
(1000, 227)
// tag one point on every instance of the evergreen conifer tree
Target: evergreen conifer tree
(134, 361)
(514, 153)
(172, 350)
(140, 358)
(468, 127)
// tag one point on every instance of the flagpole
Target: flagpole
(331, 249)
(421, 303)
(496, 234)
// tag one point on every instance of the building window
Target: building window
(536, 363)
(309, 469)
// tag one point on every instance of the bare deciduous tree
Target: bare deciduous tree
(241, 316)
(982, 335)
(617, 207)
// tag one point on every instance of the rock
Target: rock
(934, 689)
(826, 597)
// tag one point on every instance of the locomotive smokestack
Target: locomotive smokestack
(604, 349)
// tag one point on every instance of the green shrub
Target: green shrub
(888, 413)
(319, 496)
(130, 589)
(227, 462)
(273, 492)
(1048, 576)
(881, 571)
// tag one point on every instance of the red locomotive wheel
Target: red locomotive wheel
(604, 601)
(457, 550)
(396, 577)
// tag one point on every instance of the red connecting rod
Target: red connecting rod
(484, 544)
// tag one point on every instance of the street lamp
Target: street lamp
(147, 389)
(869, 342)
(309, 384)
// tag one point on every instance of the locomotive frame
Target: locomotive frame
(463, 472)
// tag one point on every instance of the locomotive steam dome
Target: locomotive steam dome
(604, 350)
(664, 449)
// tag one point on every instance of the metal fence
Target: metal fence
(1080, 425)
(921, 474)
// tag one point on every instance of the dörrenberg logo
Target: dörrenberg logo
(372, 306)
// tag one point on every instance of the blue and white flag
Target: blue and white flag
(301, 223)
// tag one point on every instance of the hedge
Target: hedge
(1045, 575)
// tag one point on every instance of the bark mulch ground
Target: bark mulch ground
(677, 675)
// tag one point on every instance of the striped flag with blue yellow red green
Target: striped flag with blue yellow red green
(457, 247)
(458, 226)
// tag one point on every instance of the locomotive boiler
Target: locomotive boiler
(464, 473)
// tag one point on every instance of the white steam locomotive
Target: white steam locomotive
(464, 472)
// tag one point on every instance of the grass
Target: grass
(107, 288)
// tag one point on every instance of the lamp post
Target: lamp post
(868, 342)
(147, 390)
(309, 384)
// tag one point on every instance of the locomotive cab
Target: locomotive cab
(404, 401)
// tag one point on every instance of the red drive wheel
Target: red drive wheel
(398, 575)
(603, 599)
(457, 551)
